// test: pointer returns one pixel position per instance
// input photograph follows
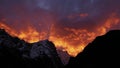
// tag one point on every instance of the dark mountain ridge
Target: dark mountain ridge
(103, 52)
(16, 53)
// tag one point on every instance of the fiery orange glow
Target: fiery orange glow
(30, 35)
(8, 29)
(73, 43)
(84, 15)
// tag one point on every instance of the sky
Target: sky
(76, 22)
(97, 10)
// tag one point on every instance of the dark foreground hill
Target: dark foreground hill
(16, 53)
(103, 52)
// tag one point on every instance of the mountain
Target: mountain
(103, 52)
(16, 53)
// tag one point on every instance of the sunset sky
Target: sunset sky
(70, 24)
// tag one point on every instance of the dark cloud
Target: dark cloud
(44, 12)
(98, 12)
(40, 14)
(22, 13)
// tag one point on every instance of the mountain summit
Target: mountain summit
(16, 53)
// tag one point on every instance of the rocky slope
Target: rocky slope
(103, 52)
(16, 53)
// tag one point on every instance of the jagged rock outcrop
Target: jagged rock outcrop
(64, 56)
(16, 53)
(103, 52)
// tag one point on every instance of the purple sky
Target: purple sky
(40, 14)
(76, 15)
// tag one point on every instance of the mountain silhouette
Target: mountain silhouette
(16, 53)
(103, 52)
